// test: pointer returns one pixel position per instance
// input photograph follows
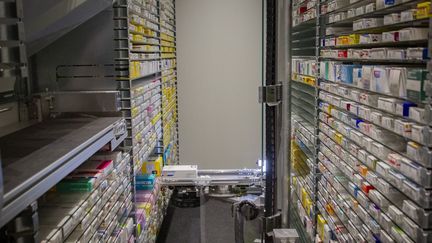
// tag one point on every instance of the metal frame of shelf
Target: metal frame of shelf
(109, 69)
(122, 15)
(305, 45)
(321, 22)
(35, 173)
(15, 88)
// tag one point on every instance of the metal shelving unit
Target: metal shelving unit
(14, 60)
(146, 64)
(38, 151)
(33, 166)
(14, 88)
(372, 151)
(169, 82)
(88, 98)
(303, 83)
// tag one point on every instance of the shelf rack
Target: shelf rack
(97, 214)
(304, 42)
(36, 158)
(13, 65)
(372, 179)
(147, 75)
(41, 155)
(169, 82)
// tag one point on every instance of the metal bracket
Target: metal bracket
(272, 222)
(25, 226)
(285, 235)
(270, 94)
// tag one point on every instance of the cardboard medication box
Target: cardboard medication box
(410, 34)
(152, 166)
(180, 171)
(415, 84)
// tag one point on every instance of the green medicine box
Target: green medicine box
(76, 185)
(415, 84)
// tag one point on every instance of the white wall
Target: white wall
(219, 71)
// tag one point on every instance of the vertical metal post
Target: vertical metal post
(121, 30)
(283, 114)
(318, 33)
(202, 215)
(284, 76)
(270, 112)
(176, 142)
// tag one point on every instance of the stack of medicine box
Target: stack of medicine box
(146, 190)
(93, 202)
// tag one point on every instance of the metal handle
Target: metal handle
(5, 109)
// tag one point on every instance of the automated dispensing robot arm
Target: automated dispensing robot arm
(189, 175)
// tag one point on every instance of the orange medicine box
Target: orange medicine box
(363, 170)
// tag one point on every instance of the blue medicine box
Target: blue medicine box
(144, 182)
(346, 73)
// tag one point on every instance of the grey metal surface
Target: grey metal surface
(7, 80)
(285, 235)
(87, 101)
(230, 172)
(212, 181)
(47, 20)
(284, 114)
(217, 177)
(13, 59)
(9, 114)
(80, 60)
(38, 157)
(270, 94)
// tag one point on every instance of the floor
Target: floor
(182, 225)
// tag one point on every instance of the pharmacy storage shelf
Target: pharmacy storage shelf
(152, 213)
(304, 107)
(36, 158)
(356, 10)
(302, 153)
(56, 153)
(97, 210)
(147, 42)
(169, 82)
(369, 74)
(146, 60)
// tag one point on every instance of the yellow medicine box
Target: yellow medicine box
(321, 222)
(338, 138)
(308, 206)
(342, 40)
(329, 109)
(152, 167)
(423, 10)
(353, 39)
(304, 195)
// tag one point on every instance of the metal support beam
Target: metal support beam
(270, 112)
(284, 114)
